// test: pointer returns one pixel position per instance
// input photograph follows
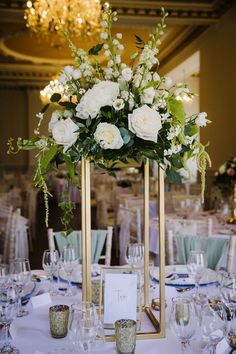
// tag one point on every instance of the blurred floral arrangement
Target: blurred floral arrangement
(225, 177)
(115, 113)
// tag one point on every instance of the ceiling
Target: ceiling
(27, 62)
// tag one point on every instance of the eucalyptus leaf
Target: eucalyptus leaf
(55, 97)
(96, 49)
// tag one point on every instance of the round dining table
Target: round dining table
(31, 334)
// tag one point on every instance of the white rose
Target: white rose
(127, 74)
(108, 136)
(148, 95)
(145, 122)
(190, 173)
(201, 120)
(56, 115)
(102, 94)
(64, 132)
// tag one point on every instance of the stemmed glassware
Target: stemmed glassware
(20, 274)
(135, 255)
(214, 325)
(197, 266)
(69, 261)
(183, 320)
(8, 312)
(3, 275)
(50, 265)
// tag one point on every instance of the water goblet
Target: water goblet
(87, 332)
(20, 274)
(50, 265)
(135, 255)
(214, 325)
(3, 275)
(69, 261)
(228, 292)
(8, 312)
(197, 266)
(183, 320)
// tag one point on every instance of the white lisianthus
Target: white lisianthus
(102, 94)
(64, 132)
(56, 115)
(145, 123)
(148, 95)
(108, 136)
(201, 120)
(127, 74)
(118, 104)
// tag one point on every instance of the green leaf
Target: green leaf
(67, 104)
(96, 49)
(88, 121)
(133, 55)
(191, 130)
(177, 163)
(80, 125)
(173, 177)
(47, 158)
(55, 97)
(70, 167)
(43, 110)
(176, 108)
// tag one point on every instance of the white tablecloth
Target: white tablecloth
(33, 335)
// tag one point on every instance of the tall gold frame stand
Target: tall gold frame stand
(159, 326)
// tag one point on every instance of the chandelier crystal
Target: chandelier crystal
(50, 17)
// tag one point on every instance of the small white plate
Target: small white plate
(77, 273)
(178, 275)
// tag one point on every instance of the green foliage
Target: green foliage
(96, 49)
(176, 108)
(55, 97)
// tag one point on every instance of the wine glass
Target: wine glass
(214, 325)
(228, 292)
(3, 275)
(21, 275)
(197, 266)
(8, 312)
(183, 320)
(135, 255)
(87, 331)
(69, 261)
(50, 265)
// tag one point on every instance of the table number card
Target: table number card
(120, 297)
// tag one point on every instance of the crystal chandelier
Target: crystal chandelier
(49, 17)
(54, 86)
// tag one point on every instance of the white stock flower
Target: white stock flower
(156, 77)
(108, 136)
(168, 82)
(145, 122)
(121, 47)
(127, 74)
(119, 35)
(148, 95)
(118, 104)
(56, 115)
(64, 132)
(76, 74)
(201, 120)
(107, 53)
(118, 59)
(100, 95)
(104, 35)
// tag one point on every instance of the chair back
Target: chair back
(98, 239)
(215, 247)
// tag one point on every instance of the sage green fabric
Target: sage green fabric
(98, 238)
(215, 247)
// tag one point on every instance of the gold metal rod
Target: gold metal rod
(86, 229)
(161, 249)
(146, 233)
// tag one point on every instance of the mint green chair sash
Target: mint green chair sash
(215, 247)
(98, 238)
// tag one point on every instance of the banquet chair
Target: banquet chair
(178, 226)
(99, 238)
(215, 247)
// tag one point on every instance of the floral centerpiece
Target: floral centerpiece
(225, 177)
(112, 112)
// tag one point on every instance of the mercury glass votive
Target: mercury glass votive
(96, 289)
(58, 317)
(125, 333)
